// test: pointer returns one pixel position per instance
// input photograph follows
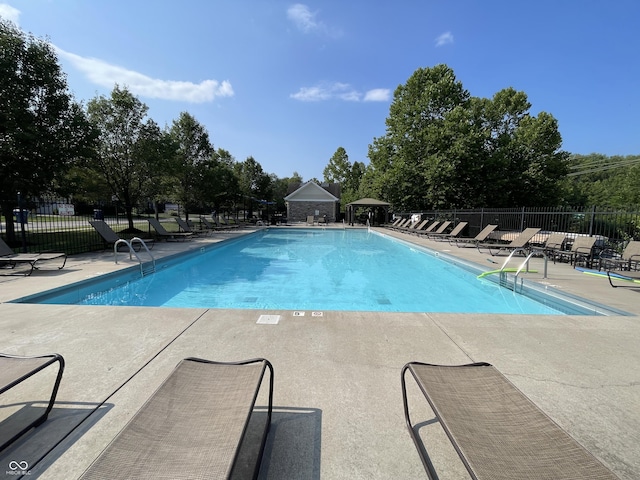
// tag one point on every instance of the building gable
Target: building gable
(311, 192)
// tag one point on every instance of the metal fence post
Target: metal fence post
(593, 216)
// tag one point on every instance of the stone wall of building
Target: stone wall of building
(298, 211)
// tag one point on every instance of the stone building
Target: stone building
(312, 199)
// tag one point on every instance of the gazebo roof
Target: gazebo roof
(369, 202)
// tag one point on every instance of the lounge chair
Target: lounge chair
(395, 222)
(629, 260)
(581, 250)
(110, 237)
(221, 226)
(441, 228)
(457, 230)
(9, 259)
(184, 225)
(16, 369)
(471, 242)
(162, 232)
(223, 222)
(192, 427)
(414, 227)
(495, 429)
(430, 228)
(553, 246)
(402, 224)
(210, 225)
(633, 277)
(521, 242)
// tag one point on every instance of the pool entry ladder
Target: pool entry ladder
(516, 271)
(145, 268)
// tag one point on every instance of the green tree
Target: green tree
(43, 131)
(446, 149)
(192, 159)
(255, 183)
(597, 179)
(339, 168)
(220, 185)
(282, 187)
(416, 142)
(524, 163)
(131, 147)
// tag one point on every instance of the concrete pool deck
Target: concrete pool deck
(338, 404)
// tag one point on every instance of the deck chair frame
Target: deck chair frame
(110, 237)
(426, 229)
(163, 233)
(415, 227)
(628, 276)
(186, 228)
(582, 249)
(457, 230)
(553, 246)
(439, 231)
(193, 426)
(497, 432)
(403, 223)
(628, 260)
(15, 369)
(480, 237)
(10, 259)
(520, 243)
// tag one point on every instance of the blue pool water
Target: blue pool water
(309, 269)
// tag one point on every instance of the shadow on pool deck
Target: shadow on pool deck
(337, 377)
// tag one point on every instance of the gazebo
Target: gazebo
(379, 209)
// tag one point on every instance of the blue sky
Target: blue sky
(288, 83)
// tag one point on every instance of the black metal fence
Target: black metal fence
(617, 226)
(61, 225)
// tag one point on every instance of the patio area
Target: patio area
(337, 398)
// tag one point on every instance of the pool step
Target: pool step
(147, 268)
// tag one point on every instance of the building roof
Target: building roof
(311, 192)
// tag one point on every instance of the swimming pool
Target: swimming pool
(314, 269)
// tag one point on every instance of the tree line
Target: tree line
(50, 144)
(445, 149)
(442, 148)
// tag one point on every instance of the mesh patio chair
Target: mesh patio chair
(16, 369)
(110, 238)
(9, 259)
(521, 242)
(471, 242)
(193, 426)
(581, 251)
(498, 433)
(163, 233)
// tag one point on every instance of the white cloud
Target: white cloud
(444, 39)
(377, 95)
(311, 94)
(107, 75)
(339, 91)
(304, 19)
(9, 13)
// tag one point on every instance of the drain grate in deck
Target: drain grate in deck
(269, 319)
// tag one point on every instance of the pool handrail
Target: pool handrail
(129, 244)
